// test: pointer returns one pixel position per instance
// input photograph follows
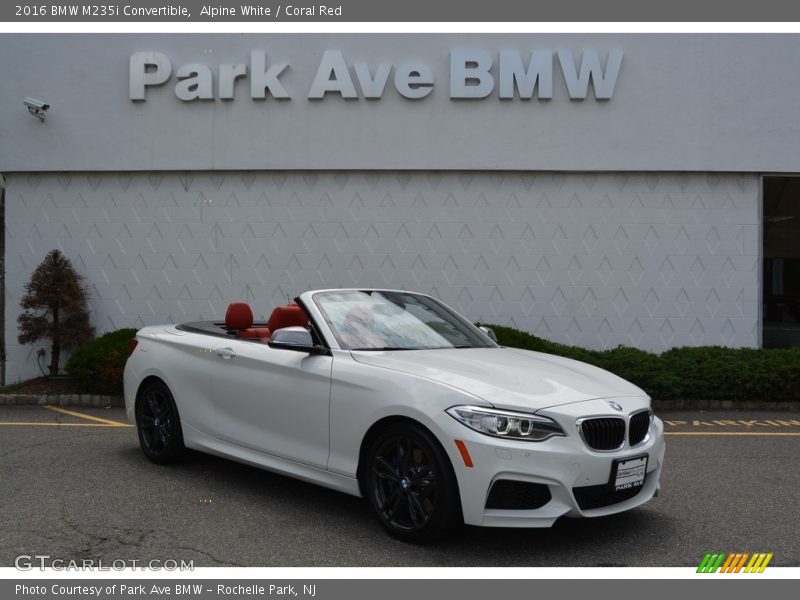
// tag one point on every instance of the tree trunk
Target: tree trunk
(55, 353)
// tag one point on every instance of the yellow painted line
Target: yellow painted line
(46, 424)
(783, 433)
(73, 413)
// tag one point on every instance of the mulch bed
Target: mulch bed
(42, 387)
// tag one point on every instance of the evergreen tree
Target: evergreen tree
(55, 307)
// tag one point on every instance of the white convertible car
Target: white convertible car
(394, 396)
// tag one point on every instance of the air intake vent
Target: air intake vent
(638, 428)
(598, 496)
(518, 495)
(607, 433)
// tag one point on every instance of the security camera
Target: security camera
(34, 103)
(36, 107)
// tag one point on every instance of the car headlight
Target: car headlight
(505, 423)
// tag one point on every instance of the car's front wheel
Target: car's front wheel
(158, 423)
(411, 486)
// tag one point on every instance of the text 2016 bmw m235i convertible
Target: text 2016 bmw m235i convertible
(393, 396)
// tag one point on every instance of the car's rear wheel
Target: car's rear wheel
(158, 423)
(411, 486)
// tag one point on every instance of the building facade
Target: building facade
(592, 189)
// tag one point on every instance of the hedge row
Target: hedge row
(688, 373)
(98, 365)
(699, 373)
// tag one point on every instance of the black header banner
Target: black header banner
(400, 11)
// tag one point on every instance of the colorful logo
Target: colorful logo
(734, 562)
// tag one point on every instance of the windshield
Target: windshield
(372, 320)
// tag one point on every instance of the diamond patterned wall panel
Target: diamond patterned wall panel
(652, 260)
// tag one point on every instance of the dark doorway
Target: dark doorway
(2, 280)
(781, 283)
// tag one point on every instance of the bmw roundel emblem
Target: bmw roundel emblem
(615, 405)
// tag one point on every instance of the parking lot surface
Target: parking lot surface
(75, 485)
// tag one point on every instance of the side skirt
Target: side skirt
(197, 440)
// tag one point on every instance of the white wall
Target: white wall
(682, 102)
(652, 260)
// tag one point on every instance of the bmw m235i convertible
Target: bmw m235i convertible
(394, 396)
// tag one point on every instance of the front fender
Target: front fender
(362, 395)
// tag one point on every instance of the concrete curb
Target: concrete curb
(85, 400)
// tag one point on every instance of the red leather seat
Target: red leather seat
(255, 333)
(290, 315)
(238, 315)
(239, 318)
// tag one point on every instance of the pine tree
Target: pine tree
(55, 307)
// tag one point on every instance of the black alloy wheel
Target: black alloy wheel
(158, 423)
(411, 485)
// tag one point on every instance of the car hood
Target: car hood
(507, 377)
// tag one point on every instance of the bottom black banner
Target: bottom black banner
(389, 589)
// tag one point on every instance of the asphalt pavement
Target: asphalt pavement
(76, 487)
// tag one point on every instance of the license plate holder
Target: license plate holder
(628, 473)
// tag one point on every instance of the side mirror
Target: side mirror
(489, 333)
(295, 338)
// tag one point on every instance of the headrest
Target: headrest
(238, 315)
(290, 315)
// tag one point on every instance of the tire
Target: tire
(411, 486)
(158, 424)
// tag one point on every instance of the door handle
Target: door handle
(226, 353)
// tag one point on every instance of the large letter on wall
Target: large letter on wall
(513, 73)
(372, 88)
(228, 74)
(470, 66)
(141, 77)
(263, 79)
(414, 81)
(196, 83)
(332, 76)
(577, 80)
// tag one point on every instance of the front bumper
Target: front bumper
(560, 463)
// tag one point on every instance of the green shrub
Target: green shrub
(688, 373)
(508, 336)
(637, 366)
(97, 365)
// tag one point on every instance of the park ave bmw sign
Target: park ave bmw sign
(474, 74)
